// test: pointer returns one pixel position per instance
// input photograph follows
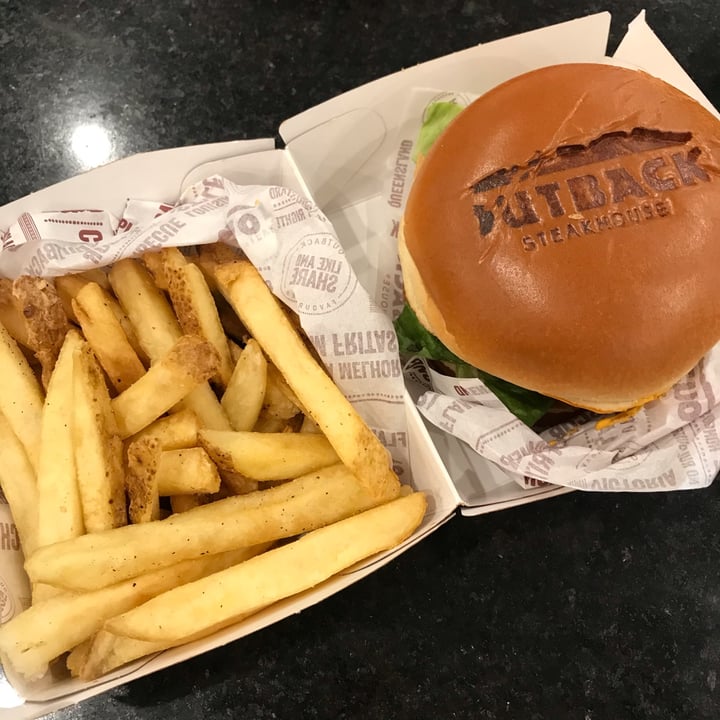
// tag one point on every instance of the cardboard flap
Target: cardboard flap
(341, 147)
(274, 166)
(155, 175)
(642, 47)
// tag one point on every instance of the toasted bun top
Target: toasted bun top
(564, 234)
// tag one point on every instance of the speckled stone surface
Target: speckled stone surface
(584, 607)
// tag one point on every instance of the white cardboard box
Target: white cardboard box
(339, 153)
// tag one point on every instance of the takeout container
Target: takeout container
(341, 153)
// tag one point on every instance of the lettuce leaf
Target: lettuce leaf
(414, 339)
(437, 117)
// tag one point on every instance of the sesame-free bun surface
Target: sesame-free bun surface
(564, 234)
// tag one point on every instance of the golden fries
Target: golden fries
(102, 329)
(203, 402)
(67, 287)
(60, 514)
(19, 485)
(21, 398)
(93, 561)
(268, 456)
(188, 363)
(174, 432)
(279, 401)
(353, 441)
(97, 446)
(209, 257)
(10, 313)
(31, 640)
(157, 330)
(186, 472)
(206, 605)
(141, 480)
(234, 426)
(154, 264)
(156, 326)
(309, 426)
(45, 320)
(245, 392)
(182, 503)
(236, 483)
(194, 306)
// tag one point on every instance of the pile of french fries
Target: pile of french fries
(175, 459)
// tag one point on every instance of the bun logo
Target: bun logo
(618, 180)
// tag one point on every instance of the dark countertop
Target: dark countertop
(587, 606)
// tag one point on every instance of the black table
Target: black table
(588, 606)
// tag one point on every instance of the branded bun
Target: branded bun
(563, 234)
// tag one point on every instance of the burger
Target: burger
(561, 239)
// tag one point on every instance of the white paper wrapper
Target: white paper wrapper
(670, 444)
(14, 585)
(286, 237)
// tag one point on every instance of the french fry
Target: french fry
(156, 326)
(21, 398)
(268, 456)
(174, 432)
(141, 480)
(45, 320)
(245, 393)
(157, 330)
(194, 306)
(234, 329)
(209, 257)
(204, 403)
(42, 591)
(309, 425)
(154, 264)
(60, 514)
(236, 483)
(183, 503)
(97, 446)
(279, 401)
(204, 606)
(77, 658)
(19, 485)
(68, 286)
(102, 329)
(188, 363)
(35, 637)
(103, 589)
(185, 472)
(108, 652)
(269, 425)
(10, 314)
(94, 561)
(354, 442)
(235, 351)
